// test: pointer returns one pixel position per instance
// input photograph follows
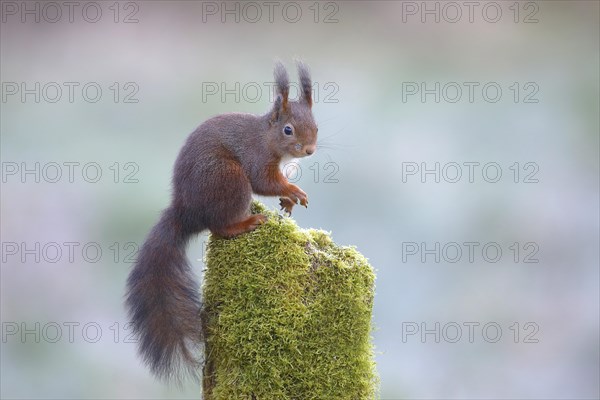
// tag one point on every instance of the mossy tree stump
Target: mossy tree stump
(287, 315)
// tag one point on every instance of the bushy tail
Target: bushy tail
(163, 302)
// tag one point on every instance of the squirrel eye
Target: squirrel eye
(288, 130)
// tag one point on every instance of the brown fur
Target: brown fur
(222, 163)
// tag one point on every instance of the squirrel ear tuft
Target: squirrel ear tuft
(276, 110)
(305, 82)
(282, 83)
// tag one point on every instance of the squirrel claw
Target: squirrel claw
(297, 195)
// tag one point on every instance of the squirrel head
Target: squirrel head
(292, 130)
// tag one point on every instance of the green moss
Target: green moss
(287, 315)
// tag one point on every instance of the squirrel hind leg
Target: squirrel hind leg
(247, 225)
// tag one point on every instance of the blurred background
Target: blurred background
(459, 153)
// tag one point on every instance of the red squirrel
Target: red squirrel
(225, 160)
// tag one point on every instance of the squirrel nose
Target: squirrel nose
(309, 150)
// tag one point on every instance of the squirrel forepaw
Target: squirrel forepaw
(286, 205)
(298, 195)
